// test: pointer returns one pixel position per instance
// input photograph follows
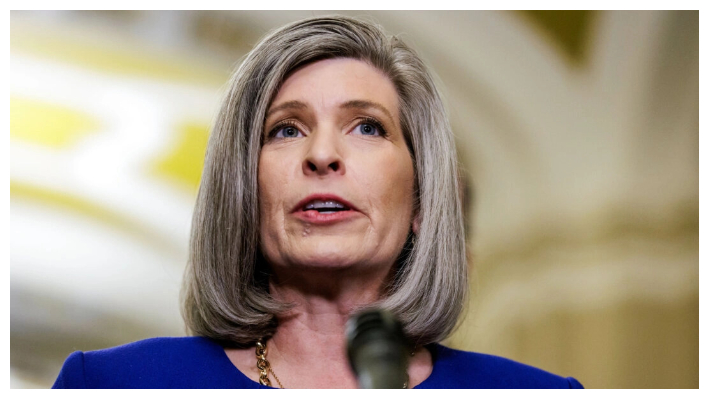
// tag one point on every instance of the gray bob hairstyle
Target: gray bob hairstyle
(225, 295)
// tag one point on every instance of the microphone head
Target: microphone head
(377, 350)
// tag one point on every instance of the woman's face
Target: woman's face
(336, 179)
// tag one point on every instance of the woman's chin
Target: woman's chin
(334, 253)
(331, 261)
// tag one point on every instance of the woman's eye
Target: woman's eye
(368, 129)
(288, 132)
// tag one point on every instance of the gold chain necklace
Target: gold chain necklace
(264, 367)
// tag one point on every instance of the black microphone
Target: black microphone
(377, 350)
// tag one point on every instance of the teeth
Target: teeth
(317, 205)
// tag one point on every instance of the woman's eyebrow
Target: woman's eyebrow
(364, 104)
(295, 104)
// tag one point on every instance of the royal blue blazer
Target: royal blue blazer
(198, 362)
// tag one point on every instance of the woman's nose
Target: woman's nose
(323, 156)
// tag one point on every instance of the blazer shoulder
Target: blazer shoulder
(72, 373)
(155, 361)
(478, 370)
(151, 348)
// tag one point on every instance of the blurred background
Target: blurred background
(577, 133)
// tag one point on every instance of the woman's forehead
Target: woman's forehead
(337, 82)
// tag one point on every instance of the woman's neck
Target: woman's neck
(308, 349)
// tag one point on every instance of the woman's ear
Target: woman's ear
(416, 224)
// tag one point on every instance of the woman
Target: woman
(329, 186)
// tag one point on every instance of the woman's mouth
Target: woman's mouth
(328, 206)
(324, 209)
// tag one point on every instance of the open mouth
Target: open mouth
(325, 207)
